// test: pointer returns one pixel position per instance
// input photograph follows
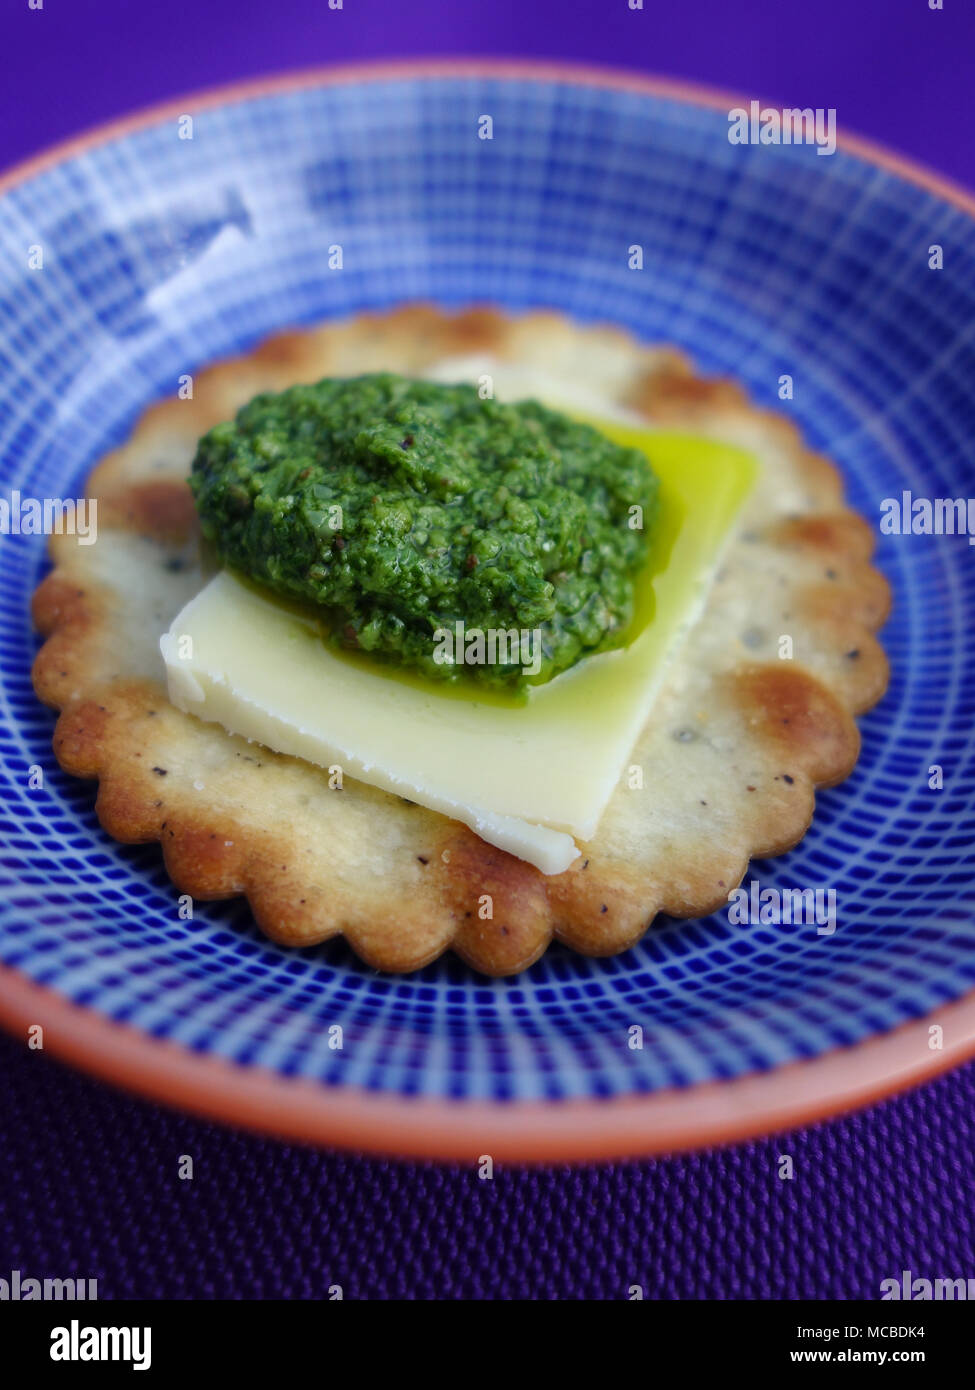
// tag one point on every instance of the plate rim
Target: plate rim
(665, 1122)
(516, 69)
(298, 1109)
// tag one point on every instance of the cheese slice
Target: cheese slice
(530, 778)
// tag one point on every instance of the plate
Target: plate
(162, 253)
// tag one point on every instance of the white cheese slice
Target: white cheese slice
(266, 674)
(528, 778)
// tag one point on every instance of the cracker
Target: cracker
(736, 744)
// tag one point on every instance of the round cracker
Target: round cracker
(735, 746)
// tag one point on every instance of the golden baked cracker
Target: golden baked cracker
(735, 745)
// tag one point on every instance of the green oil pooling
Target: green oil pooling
(397, 509)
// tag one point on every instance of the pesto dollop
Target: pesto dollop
(400, 508)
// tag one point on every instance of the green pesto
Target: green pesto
(453, 509)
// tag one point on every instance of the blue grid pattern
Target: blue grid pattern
(163, 254)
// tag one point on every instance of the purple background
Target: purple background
(89, 1183)
(90, 1191)
(894, 70)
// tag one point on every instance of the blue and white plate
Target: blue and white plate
(162, 254)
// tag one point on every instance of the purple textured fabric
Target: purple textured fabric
(90, 1190)
(90, 1186)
